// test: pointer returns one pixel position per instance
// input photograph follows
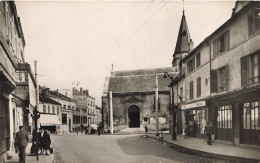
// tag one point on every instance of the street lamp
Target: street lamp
(174, 134)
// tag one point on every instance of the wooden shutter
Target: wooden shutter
(215, 49)
(244, 75)
(226, 77)
(191, 90)
(198, 87)
(226, 40)
(213, 81)
(257, 20)
(258, 66)
(250, 24)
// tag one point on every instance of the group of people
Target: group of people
(190, 129)
(44, 141)
(22, 138)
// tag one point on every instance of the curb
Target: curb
(207, 154)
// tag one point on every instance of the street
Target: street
(117, 148)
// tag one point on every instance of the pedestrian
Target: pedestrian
(46, 140)
(40, 134)
(99, 129)
(35, 141)
(186, 130)
(208, 130)
(21, 141)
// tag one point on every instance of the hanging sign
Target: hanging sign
(194, 105)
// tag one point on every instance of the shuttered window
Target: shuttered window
(244, 71)
(199, 87)
(191, 90)
(213, 81)
(250, 69)
(253, 22)
(221, 44)
(198, 60)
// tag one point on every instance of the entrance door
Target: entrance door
(134, 116)
(250, 127)
(224, 123)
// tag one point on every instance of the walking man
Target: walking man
(208, 131)
(21, 141)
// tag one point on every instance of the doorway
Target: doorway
(134, 116)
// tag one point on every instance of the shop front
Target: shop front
(195, 117)
(236, 117)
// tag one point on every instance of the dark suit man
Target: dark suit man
(209, 131)
(21, 141)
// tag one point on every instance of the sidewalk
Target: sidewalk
(216, 150)
(30, 158)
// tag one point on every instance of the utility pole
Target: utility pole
(156, 105)
(36, 113)
(111, 112)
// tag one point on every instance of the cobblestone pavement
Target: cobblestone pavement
(118, 148)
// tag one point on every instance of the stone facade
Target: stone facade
(16, 103)
(222, 84)
(133, 98)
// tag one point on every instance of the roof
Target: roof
(56, 94)
(184, 39)
(49, 120)
(45, 99)
(140, 80)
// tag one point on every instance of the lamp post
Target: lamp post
(174, 134)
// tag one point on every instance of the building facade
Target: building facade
(133, 99)
(17, 83)
(221, 79)
(82, 118)
(68, 105)
(49, 114)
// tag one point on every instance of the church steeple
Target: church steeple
(184, 42)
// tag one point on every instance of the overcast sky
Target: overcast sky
(79, 41)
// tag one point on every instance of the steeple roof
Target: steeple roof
(184, 39)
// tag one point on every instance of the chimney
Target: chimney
(81, 90)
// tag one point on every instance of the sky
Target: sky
(75, 43)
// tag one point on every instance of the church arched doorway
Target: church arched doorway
(134, 116)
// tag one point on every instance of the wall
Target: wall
(145, 103)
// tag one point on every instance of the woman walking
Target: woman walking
(46, 141)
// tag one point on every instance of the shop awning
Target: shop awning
(49, 120)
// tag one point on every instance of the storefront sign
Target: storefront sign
(194, 105)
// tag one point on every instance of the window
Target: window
(219, 79)
(53, 110)
(224, 119)
(64, 106)
(251, 116)
(198, 60)
(58, 110)
(250, 69)
(44, 108)
(69, 107)
(158, 104)
(181, 94)
(64, 118)
(191, 90)
(198, 87)
(48, 109)
(221, 44)
(253, 22)
(191, 65)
